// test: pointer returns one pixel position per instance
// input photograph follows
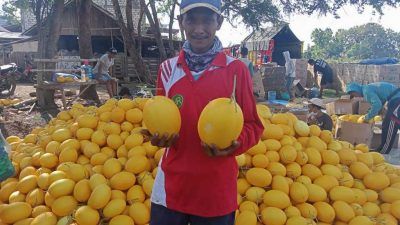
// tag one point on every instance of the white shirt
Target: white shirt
(107, 63)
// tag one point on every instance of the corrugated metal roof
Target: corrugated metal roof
(259, 39)
(12, 35)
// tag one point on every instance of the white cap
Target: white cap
(318, 102)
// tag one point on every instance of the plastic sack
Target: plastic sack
(6, 167)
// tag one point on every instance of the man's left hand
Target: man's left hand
(214, 151)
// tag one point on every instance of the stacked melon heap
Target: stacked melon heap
(92, 166)
(298, 175)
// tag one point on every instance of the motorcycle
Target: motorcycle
(8, 75)
(26, 74)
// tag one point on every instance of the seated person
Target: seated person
(102, 72)
(317, 117)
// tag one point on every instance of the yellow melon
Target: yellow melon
(82, 190)
(263, 111)
(273, 216)
(100, 196)
(139, 213)
(121, 219)
(288, 154)
(61, 135)
(292, 211)
(276, 168)
(242, 186)
(276, 198)
(298, 192)
(249, 206)
(315, 193)
(35, 197)
(87, 215)
(14, 212)
(272, 131)
(371, 209)
(390, 195)
(316, 142)
(311, 171)
(255, 194)
(280, 183)
(327, 182)
(376, 181)
(361, 220)
(162, 116)
(395, 209)
(307, 210)
(330, 157)
(64, 205)
(386, 219)
(220, 122)
(246, 218)
(301, 128)
(341, 193)
(325, 212)
(134, 115)
(272, 145)
(293, 170)
(259, 177)
(343, 211)
(122, 181)
(259, 161)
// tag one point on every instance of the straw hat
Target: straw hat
(318, 102)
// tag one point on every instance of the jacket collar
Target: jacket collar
(219, 60)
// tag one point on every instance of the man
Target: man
(377, 94)
(322, 67)
(196, 183)
(290, 73)
(318, 117)
(103, 69)
(244, 52)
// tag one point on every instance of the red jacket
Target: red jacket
(188, 180)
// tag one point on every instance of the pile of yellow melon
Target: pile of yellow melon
(354, 118)
(8, 102)
(93, 166)
(87, 166)
(300, 175)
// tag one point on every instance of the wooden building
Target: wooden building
(105, 34)
(269, 44)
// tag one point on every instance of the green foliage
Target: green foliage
(10, 13)
(361, 42)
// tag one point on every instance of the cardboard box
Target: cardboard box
(363, 107)
(342, 106)
(355, 133)
(377, 138)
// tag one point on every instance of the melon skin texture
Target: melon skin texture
(220, 123)
(162, 116)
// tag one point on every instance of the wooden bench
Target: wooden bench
(61, 86)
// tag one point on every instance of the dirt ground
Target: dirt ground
(20, 122)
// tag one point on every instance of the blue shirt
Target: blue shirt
(377, 94)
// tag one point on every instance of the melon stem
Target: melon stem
(233, 96)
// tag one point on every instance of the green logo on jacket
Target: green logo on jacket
(178, 99)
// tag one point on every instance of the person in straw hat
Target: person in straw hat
(317, 117)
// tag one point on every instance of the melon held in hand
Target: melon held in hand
(220, 122)
(162, 116)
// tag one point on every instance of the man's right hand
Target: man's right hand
(161, 141)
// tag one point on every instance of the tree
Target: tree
(130, 43)
(85, 43)
(152, 17)
(49, 42)
(360, 42)
(10, 13)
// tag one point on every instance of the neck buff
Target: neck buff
(200, 62)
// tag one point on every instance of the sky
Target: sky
(303, 25)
